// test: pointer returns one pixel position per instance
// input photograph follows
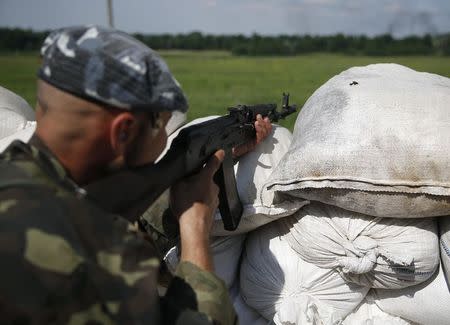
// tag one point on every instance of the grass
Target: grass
(214, 80)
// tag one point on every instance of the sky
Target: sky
(266, 17)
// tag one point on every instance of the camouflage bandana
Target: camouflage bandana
(109, 67)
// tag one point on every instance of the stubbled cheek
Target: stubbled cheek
(149, 148)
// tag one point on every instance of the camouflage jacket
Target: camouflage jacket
(66, 261)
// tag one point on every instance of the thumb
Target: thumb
(214, 162)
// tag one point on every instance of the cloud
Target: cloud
(319, 2)
(210, 3)
(393, 8)
(407, 22)
(258, 6)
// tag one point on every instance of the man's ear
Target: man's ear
(124, 129)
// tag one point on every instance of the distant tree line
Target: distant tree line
(383, 45)
(15, 39)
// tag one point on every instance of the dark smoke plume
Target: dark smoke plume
(412, 23)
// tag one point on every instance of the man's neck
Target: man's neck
(83, 164)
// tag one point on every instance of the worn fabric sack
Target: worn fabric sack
(444, 241)
(427, 303)
(368, 313)
(282, 287)
(23, 135)
(15, 103)
(16, 118)
(252, 170)
(246, 314)
(177, 119)
(374, 140)
(374, 252)
(226, 254)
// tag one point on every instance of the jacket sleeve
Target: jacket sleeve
(196, 296)
(160, 225)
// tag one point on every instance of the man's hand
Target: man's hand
(193, 201)
(263, 128)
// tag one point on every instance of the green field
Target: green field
(214, 81)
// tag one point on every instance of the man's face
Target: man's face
(149, 143)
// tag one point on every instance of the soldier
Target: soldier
(103, 102)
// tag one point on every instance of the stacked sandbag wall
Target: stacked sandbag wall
(277, 283)
(356, 203)
(370, 151)
(427, 303)
(371, 251)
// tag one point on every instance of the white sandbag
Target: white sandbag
(374, 140)
(252, 171)
(282, 287)
(22, 135)
(176, 121)
(226, 254)
(427, 303)
(368, 313)
(13, 102)
(16, 118)
(374, 252)
(444, 240)
(246, 314)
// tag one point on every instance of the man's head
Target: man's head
(105, 96)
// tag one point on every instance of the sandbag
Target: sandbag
(246, 314)
(427, 303)
(13, 102)
(374, 252)
(177, 119)
(444, 241)
(23, 135)
(282, 287)
(368, 313)
(16, 118)
(226, 254)
(252, 171)
(374, 140)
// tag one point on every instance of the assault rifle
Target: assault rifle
(131, 191)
